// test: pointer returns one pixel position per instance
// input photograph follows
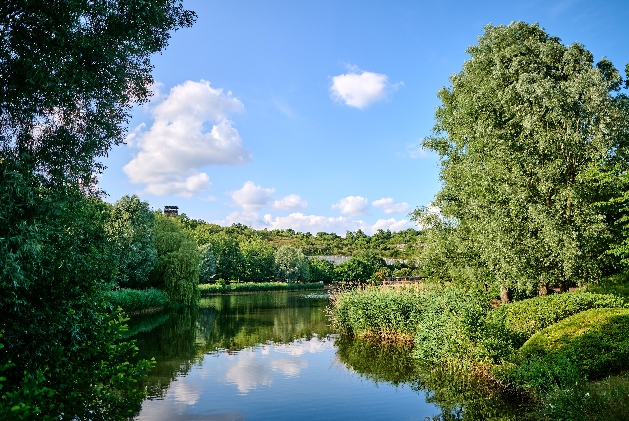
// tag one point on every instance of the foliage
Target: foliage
(70, 75)
(360, 268)
(291, 265)
(133, 300)
(178, 260)
(617, 284)
(257, 286)
(131, 230)
(522, 319)
(229, 259)
(259, 261)
(207, 271)
(530, 121)
(589, 345)
(321, 270)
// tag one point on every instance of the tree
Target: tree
(521, 133)
(229, 260)
(178, 262)
(321, 270)
(131, 229)
(207, 271)
(259, 261)
(69, 75)
(291, 265)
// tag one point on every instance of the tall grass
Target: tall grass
(207, 289)
(133, 300)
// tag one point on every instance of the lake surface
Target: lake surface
(273, 356)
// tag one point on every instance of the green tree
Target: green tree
(354, 270)
(291, 265)
(259, 261)
(321, 270)
(131, 230)
(229, 259)
(521, 132)
(69, 75)
(178, 261)
(207, 271)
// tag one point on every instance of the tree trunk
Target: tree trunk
(505, 297)
(543, 290)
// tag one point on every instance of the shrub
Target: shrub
(590, 345)
(258, 261)
(133, 300)
(522, 319)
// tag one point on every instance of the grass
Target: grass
(135, 301)
(207, 289)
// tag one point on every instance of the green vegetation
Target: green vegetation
(590, 345)
(220, 287)
(534, 183)
(291, 265)
(134, 301)
(62, 109)
(131, 232)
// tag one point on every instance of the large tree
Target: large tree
(523, 134)
(70, 71)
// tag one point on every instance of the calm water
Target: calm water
(273, 356)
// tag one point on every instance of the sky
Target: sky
(309, 115)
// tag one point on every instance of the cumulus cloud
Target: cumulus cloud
(389, 206)
(313, 223)
(390, 224)
(178, 144)
(359, 88)
(352, 205)
(292, 201)
(251, 197)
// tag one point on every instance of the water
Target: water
(273, 356)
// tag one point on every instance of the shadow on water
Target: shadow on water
(459, 396)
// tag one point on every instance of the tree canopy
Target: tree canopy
(524, 132)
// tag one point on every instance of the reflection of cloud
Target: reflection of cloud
(289, 367)
(184, 392)
(248, 373)
(301, 347)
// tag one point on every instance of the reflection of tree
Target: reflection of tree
(459, 396)
(179, 339)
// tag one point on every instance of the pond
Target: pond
(274, 356)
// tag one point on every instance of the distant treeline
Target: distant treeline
(400, 245)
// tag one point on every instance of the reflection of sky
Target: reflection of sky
(301, 379)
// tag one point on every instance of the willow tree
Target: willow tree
(523, 133)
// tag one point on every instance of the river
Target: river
(274, 356)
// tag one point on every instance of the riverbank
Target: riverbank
(212, 289)
(539, 347)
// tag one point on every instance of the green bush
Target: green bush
(291, 265)
(133, 300)
(522, 319)
(321, 270)
(590, 345)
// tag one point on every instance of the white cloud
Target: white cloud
(360, 89)
(390, 224)
(352, 205)
(252, 197)
(249, 218)
(389, 206)
(292, 201)
(178, 144)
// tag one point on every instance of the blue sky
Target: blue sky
(308, 115)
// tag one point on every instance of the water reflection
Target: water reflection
(273, 355)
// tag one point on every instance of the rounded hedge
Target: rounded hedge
(595, 341)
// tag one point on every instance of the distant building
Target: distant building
(171, 210)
